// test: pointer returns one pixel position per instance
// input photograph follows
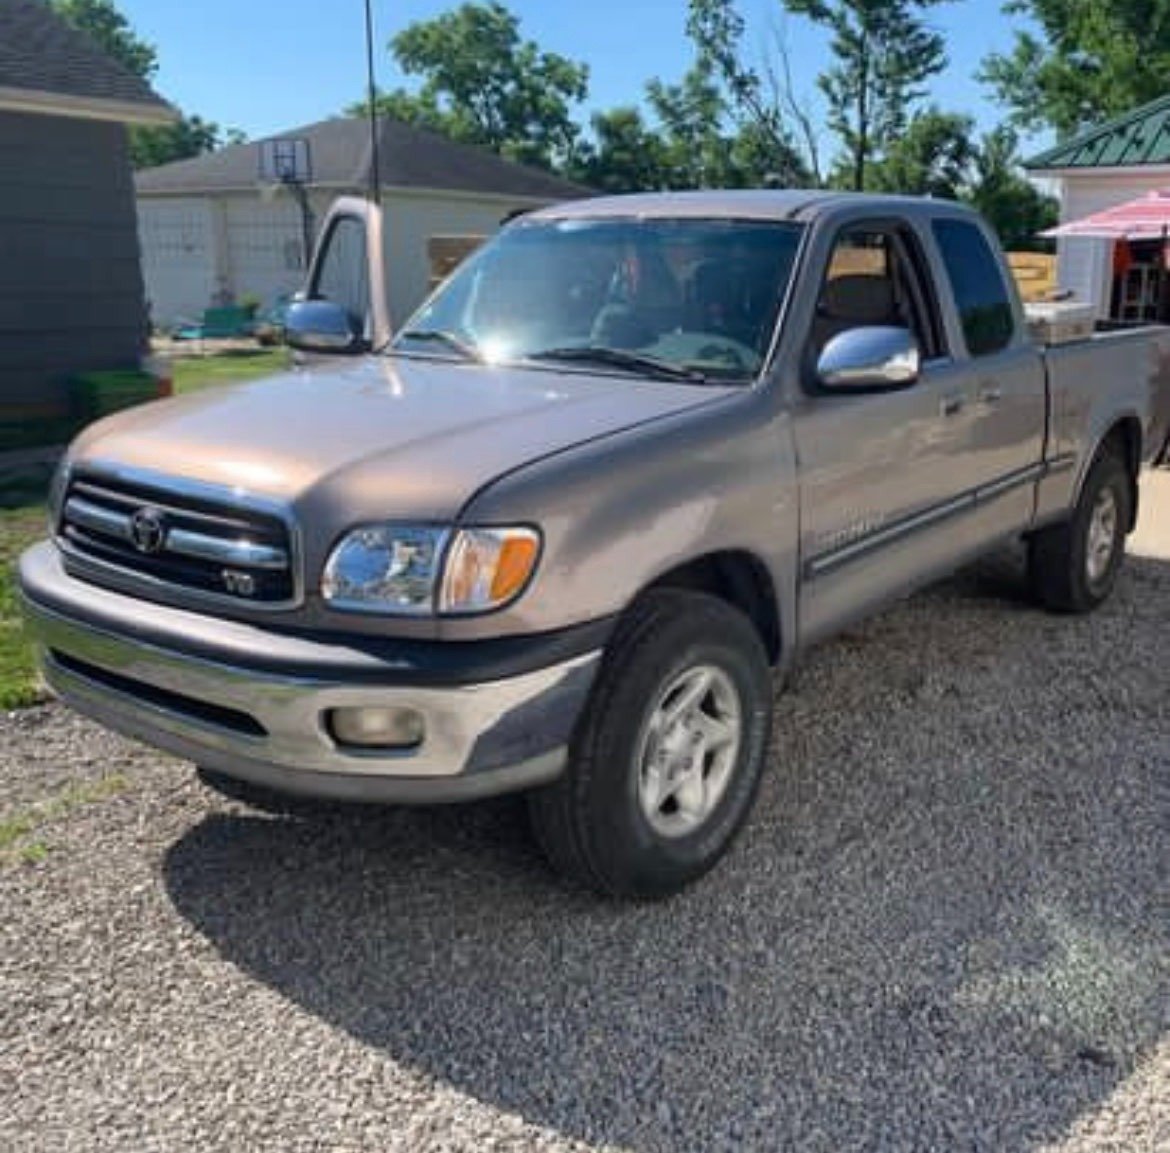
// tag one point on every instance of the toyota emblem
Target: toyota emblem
(148, 530)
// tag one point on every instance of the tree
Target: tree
(482, 83)
(625, 154)
(716, 29)
(883, 54)
(186, 137)
(112, 32)
(104, 24)
(690, 116)
(935, 156)
(1093, 60)
(1017, 210)
(938, 156)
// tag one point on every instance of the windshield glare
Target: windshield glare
(697, 295)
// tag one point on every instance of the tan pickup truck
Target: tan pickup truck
(562, 531)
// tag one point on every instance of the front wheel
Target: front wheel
(667, 760)
(1073, 566)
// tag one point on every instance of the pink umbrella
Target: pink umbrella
(1147, 218)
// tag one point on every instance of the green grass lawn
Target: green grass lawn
(22, 514)
(198, 372)
(22, 521)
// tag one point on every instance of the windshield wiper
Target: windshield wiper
(441, 336)
(620, 358)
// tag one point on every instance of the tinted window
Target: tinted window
(981, 296)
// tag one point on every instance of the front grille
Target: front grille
(180, 538)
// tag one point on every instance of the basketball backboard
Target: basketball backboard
(285, 160)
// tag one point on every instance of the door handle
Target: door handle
(990, 394)
(952, 405)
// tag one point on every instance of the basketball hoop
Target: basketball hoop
(285, 162)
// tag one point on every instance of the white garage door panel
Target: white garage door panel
(178, 257)
(265, 248)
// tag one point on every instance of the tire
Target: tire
(1073, 566)
(648, 726)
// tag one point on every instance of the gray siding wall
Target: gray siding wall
(71, 295)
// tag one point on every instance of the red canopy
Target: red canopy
(1147, 218)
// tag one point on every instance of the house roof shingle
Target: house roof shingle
(340, 158)
(1139, 138)
(47, 66)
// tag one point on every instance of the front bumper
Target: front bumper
(251, 702)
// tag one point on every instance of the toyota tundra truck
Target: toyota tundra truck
(565, 529)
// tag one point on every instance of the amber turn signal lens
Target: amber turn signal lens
(487, 567)
(516, 562)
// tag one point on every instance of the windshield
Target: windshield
(695, 299)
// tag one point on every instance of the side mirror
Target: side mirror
(862, 359)
(322, 326)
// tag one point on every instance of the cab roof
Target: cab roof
(796, 204)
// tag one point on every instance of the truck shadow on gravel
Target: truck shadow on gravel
(943, 928)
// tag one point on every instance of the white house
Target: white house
(1107, 166)
(217, 226)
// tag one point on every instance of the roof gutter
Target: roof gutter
(84, 107)
(349, 187)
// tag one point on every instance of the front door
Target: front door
(882, 504)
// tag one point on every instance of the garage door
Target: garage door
(265, 246)
(178, 258)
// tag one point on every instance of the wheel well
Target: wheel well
(1125, 439)
(742, 580)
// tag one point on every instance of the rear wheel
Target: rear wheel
(668, 757)
(1073, 566)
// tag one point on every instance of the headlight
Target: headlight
(385, 569)
(416, 571)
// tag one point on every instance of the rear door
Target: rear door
(348, 267)
(1008, 394)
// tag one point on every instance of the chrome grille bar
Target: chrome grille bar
(183, 542)
(134, 501)
(96, 519)
(241, 553)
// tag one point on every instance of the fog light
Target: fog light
(377, 728)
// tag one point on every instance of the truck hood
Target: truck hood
(381, 437)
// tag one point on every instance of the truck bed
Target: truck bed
(1090, 378)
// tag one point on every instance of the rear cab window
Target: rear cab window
(980, 293)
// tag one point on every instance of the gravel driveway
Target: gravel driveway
(945, 929)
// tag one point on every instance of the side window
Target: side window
(871, 281)
(977, 284)
(343, 273)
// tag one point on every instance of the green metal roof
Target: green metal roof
(1138, 138)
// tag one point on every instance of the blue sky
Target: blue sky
(269, 65)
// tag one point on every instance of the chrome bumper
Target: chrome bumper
(481, 739)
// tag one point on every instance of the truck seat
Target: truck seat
(855, 302)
